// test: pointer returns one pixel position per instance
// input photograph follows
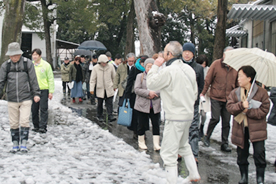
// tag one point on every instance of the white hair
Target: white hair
(175, 48)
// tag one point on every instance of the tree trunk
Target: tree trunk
(149, 22)
(220, 34)
(12, 25)
(130, 30)
(47, 25)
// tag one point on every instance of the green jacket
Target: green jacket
(121, 75)
(45, 76)
(73, 73)
(65, 69)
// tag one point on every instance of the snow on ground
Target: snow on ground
(74, 150)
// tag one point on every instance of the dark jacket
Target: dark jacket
(88, 72)
(21, 86)
(222, 80)
(199, 77)
(131, 80)
(256, 117)
(272, 117)
(73, 73)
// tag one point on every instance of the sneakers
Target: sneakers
(206, 141)
(74, 100)
(80, 100)
(225, 148)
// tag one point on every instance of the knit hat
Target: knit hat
(189, 47)
(108, 54)
(103, 59)
(149, 60)
(66, 58)
(14, 49)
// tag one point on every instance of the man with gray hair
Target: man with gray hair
(178, 90)
(221, 79)
(121, 75)
(19, 75)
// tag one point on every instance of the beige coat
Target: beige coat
(121, 75)
(103, 78)
(65, 72)
(142, 102)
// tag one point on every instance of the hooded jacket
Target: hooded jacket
(21, 86)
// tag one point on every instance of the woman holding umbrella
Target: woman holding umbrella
(249, 122)
(77, 75)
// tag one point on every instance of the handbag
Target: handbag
(125, 114)
(70, 84)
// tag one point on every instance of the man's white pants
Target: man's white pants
(175, 141)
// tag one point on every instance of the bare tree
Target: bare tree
(149, 22)
(130, 30)
(220, 34)
(12, 24)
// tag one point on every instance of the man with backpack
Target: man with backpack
(21, 87)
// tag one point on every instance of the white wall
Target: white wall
(1, 25)
(38, 43)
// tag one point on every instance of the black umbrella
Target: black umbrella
(92, 45)
(83, 52)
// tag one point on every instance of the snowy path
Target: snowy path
(74, 150)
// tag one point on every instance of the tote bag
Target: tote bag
(125, 114)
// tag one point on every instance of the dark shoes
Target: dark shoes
(206, 141)
(35, 129)
(111, 118)
(100, 119)
(41, 130)
(225, 148)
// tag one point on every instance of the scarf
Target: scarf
(79, 73)
(139, 66)
(168, 63)
(241, 117)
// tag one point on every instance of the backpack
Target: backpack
(9, 70)
(9, 67)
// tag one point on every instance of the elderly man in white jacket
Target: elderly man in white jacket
(178, 90)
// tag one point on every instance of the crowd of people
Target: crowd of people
(187, 87)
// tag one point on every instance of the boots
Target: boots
(156, 146)
(171, 175)
(244, 174)
(15, 140)
(24, 139)
(260, 175)
(141, 142)
(192, 168)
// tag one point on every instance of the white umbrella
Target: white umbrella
(263, 62)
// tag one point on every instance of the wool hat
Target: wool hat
(103, 59)
(108, 54)
(189, 47)
(14, 49)
(149, 60)
(66, 58)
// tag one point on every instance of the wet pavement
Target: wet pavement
(215, 167)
